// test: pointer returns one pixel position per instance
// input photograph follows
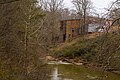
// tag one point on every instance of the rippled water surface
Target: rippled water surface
(73, 72)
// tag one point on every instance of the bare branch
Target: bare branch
(5, 2)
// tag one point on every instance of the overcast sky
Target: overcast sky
(98, 4)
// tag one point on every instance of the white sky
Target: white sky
(98, 4)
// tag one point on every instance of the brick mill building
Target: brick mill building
(71, 28)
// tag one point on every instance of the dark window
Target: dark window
(72, 29)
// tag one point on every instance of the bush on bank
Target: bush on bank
(104, 50)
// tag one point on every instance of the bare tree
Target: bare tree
(20, 48)
(52, 10)
(9, 1)
(82, 6)
(109, 51)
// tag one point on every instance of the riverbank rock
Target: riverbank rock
(116, 72)
(50, 58)
(79, 64)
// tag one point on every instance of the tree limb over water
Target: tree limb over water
(11, 1)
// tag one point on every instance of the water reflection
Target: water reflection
(73, 72)
(55, 74)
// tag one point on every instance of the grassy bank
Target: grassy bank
(83, 48)
(103, 50)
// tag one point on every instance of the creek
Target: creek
(66, 71)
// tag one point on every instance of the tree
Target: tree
(108, 54)
(20, 51)
(52, 10)
(65, 14)
(83, 6)
(115, 12)
(9, 1)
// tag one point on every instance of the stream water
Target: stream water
(73, 72)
